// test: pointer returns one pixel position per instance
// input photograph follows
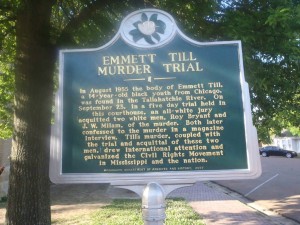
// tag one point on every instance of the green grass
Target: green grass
(2, 205)
(128, 212)
(180, 213)
(3, 202)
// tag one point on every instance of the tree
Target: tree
(270, 33)
(39, 28)
(32, 31)
(34, 68)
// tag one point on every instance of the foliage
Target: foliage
(7, 55)
(196, 18)
(269, 31)
(3, 201)
(84, 23)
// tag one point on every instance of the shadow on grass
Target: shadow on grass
(3, 202)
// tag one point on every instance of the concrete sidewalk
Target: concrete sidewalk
(219, 206)
(215, 204)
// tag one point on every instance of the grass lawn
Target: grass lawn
(128, 212)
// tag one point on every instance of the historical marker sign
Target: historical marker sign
(153, 105)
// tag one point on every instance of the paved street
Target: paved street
(277, 189)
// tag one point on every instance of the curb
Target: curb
(275, 217)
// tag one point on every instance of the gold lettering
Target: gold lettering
(150, 125)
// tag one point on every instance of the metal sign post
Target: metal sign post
(153, 197)
(153, 205)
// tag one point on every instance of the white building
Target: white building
(288, 143)
(5, 147)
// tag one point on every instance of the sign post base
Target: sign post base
(153, 204)
(153, 200)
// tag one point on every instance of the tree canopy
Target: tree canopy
(269, 31)
(32, 32)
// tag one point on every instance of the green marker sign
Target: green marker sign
(153, 105)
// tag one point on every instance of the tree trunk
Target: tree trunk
(29, 194)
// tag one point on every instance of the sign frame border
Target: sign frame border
(168, 177)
